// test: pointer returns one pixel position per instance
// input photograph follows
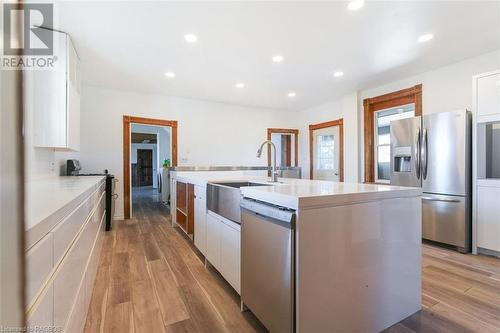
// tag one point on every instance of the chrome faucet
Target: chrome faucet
(274, 174)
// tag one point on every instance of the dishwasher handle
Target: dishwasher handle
(274, 212)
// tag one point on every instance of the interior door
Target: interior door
(145, 166)
(326, 153)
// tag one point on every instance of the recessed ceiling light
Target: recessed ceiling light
(338, 74)
(170, 74)
(240, 85)
(190, 38)
(292, 94)
(425, 38)
(278, 58)
(355, 4)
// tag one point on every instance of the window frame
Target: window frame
(377, 145)
(386, 101)
(319, 154)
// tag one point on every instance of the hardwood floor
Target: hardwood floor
(150, 279)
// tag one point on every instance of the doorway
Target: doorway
(286, 141)
(144, 167)
(149, 147)
(326, 151)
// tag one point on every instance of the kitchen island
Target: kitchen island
(356, 252)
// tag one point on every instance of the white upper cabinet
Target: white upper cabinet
(488, 96)
(53, 97)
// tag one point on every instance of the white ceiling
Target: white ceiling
(130, 45)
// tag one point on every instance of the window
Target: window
(325, 151)
(383, 120)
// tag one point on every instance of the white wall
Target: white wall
(345, 108)
(221, 134)
(208, 133)
(444, 89)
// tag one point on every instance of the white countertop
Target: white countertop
(304, 193)
(48, 199)
(307, 194)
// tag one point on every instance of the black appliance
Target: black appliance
(73, 168)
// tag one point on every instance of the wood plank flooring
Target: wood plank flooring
(150, 279)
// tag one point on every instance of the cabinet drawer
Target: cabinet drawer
(488, 221)
(43, 314)
(71, 274)
(94, 256)
(39, 264)
(76, 320)
(65, 231)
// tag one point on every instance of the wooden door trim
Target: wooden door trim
(294, 132)
(340, 124)
(127, 120)
(377, 103)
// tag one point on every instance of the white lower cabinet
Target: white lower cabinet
(43, 313)
(488, 218)
(213, 240)
(62, 301)
(200, 219)
(39, 264)
(230, 253)
(223, 248)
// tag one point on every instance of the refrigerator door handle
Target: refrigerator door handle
(424, 154)
(437, 199)
(417, 152)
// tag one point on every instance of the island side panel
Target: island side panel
(358, 266)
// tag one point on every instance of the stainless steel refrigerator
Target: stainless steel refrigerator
(434, 152)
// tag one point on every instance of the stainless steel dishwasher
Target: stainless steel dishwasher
(268, 263)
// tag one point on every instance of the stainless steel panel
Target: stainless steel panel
(231, 168)
(224, 198)
(225, 201)
(446, 219)
(446, 160)
(405, 135)
(267, 270)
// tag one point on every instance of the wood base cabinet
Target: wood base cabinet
(184, 207)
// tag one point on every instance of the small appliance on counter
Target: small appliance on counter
(73, 168)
